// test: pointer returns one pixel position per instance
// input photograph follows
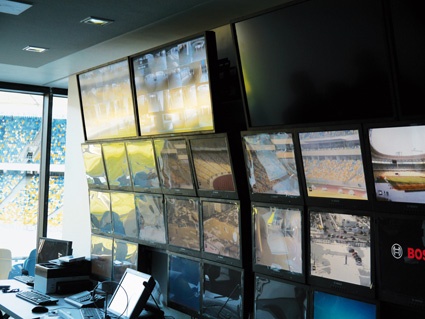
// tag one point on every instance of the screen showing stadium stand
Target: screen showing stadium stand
(184, 284)
(94, 165)
(278, 240)
(221, 230)
(101, 252)
(141, 159)
(173, 86)
(125, 255)
(100, 211)
(174, 166)
(400, 257)
(51, 249)
(222, 291)
(289, 86)
(151, 216)
(275, 298)
(116, 164)
(341, 251)
(213, 166)
(397, 154)
(333, 167)
(107, 102)
(271, 166)
(124, 215)
(331, 306)
(183, 230)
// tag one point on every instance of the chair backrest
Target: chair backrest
(29, 263)
(5, 262)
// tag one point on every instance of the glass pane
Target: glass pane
(20, 141)
(57, 167)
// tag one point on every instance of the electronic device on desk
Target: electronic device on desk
(85, 299)
(36, 298)
(26, 279)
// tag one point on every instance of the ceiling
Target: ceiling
(74, 47)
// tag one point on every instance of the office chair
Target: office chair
(5, 262)
(25, 268)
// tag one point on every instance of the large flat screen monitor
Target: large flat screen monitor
(400, 258)
(173, 86)
(184, 284)
(116, 164)
(222, 295)
(278, 234)
(315, 61)
(397, 154)
(341, 250)
(131, 295)
(333, 166)
(213, 166)
(124, 215)
(174, 166)
(51, 248)
(183, 230)
(221, 230)
(275, 298)
(332, 306)
(94, 165)
(143, 169)
(107, 102)
(271, 166)
(151, 216)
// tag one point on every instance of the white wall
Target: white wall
(76, 220)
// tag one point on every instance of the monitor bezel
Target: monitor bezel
(335, 285)
(334, 202)
(212, 64)
(213, 193)
(268, 197)
(268, 270)
(217, 257)
(388, 206)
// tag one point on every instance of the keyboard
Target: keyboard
(26, 279)
(85, 299)
(36, 298)
(92, 313)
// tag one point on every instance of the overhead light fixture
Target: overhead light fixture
(31, 48)
(96, 21)
(13, 7)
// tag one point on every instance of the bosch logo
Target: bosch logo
(397, 251)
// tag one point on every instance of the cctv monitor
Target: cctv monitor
(101, 253)
(125, 255)
(116, 164)
(341, 250)
(123, 215)
(100, 211)
(107, 102)
(94, 165)
(271, 166)
(275, 298)
(278, 244)
(51, 249)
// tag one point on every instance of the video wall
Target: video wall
(329, 213)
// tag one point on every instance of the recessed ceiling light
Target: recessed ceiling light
(13, 7)
(96, 21)
(31, 48)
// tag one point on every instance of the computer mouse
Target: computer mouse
(39, 309)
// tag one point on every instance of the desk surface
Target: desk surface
(18, 308)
